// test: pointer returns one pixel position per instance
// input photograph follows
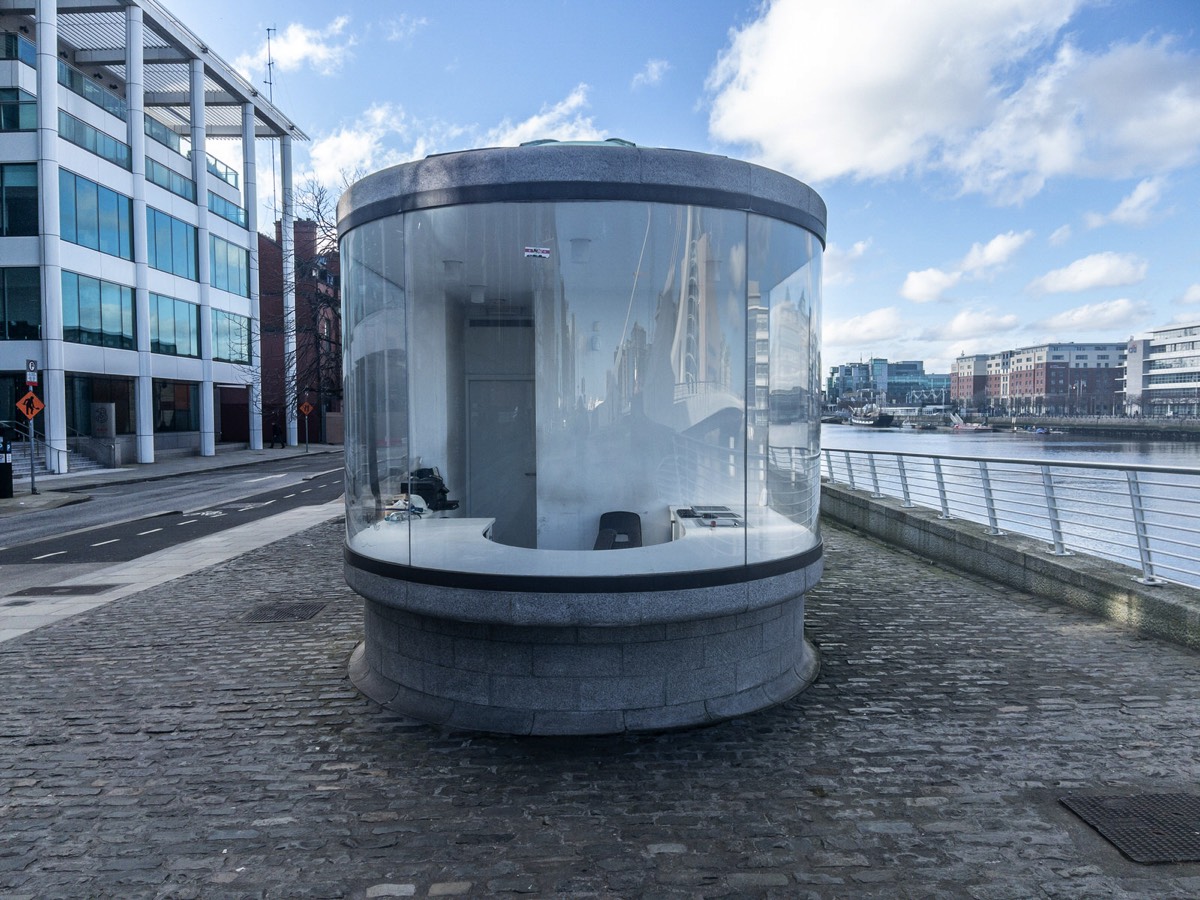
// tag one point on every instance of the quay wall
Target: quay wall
(1167, 612)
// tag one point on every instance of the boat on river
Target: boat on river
(871, 416)
(971, 428)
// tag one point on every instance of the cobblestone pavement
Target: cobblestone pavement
(161, 746)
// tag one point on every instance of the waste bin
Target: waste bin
(6, 487)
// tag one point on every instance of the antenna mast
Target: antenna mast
(270, 83)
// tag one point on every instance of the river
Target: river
(1009, 445)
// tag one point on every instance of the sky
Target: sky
(998, 173)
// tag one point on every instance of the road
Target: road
(123, 522)
(114, 503)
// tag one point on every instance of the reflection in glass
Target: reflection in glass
(574, 359)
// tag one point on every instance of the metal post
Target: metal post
(941, 485)
(993, 522)
(874, 476)
(1139, 526)
(1052, 511)
(908, 504)
(32, 475)
(849, 470)
(829, 466)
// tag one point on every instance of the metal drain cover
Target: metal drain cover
(65, 590)
(283, 612)
(1148, 828)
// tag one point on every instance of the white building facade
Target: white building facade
(1162, 372)
(128, 251)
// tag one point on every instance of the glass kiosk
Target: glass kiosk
(582, 388)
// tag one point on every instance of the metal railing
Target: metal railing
(48, 458)
(1146, 517)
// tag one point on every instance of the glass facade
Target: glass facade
(93, 140)
(166, 177)
(171, 244)
(20, 304)
(230, 266)
(231, 337)
(92, 215)
(176, 406)
(18, 200)
(18, 110)
(551, 362)
(97, 312)
(174, 326)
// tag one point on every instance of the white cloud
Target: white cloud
(385, 135)
(858, 331)
(1112, 315)
(1191, 295)
(404, 27)
(297, 45)
(651, 74)
(973, 323)
(1106, 269)
(1061, 235)
(563, 121)
(995, 252)
(883, 82)
(1136, 209)
(928, 285)
(893, 87)
(836, 267)
(1132, 109)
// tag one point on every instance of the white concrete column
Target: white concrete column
(250, 199)
(208, 437)
(54, 392)
(291, 390)
(135, 86)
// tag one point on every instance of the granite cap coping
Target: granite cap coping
(580, 171)
(564, 610)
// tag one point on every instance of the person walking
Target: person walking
(277, 435)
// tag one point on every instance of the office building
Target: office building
(1162, 374)
(128, 252)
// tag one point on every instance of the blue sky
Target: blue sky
(998, 172)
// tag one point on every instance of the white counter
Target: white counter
(463, 545)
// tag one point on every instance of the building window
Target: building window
(166, 177)
(20, 304)
(93, 140)
(18, 200)
(78, 83)
(231, 337)
(92, 215)
(174, 326)
(18, 110)
(159, 132)
(230, 266)
(226, 209)
(13, 46)
(176, 406)
(97, 312)
(170, 244)
(84, 390)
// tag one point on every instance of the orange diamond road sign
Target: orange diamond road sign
(30, 405)
(306, 407)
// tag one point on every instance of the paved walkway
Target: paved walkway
(163, 745)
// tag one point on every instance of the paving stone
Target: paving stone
(157, 746)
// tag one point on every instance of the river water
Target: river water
(1009, 445)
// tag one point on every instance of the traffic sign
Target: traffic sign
(30, 405)
(31, 372)
(306, 408)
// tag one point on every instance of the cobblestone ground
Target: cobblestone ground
(162, 747)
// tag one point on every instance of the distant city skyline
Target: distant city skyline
(996, 173)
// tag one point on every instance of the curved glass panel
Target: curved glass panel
(584, 376)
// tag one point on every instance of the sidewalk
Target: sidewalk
(200, 740)
(60, 490)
